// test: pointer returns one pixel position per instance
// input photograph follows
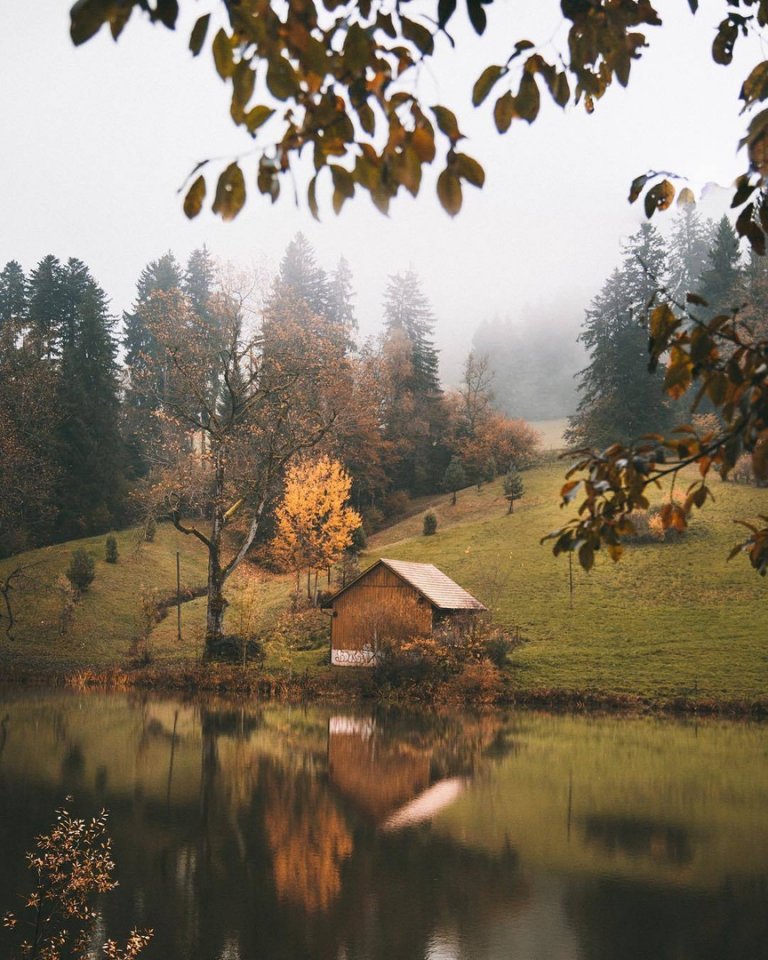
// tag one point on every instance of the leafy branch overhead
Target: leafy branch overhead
(722, 361)
(339, 80)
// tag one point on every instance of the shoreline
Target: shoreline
(232, 680)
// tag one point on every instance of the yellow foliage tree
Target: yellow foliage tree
(314, 522)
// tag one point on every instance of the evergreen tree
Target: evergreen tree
(89, 450)
(340, 308)
(620, 399)
(46, 306)
(163, 275)
(720, 280)
(513, 487)
(454, 478)
(416, 414)
(300, 274)
(688, 252)
(27, 420)
(407, 310)
(13, 299)
(199, 281)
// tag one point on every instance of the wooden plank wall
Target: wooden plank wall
(380, 605)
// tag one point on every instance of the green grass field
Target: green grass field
(672, 619)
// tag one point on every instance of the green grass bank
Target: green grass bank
(672, 622)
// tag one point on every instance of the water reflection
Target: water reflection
(244, 831)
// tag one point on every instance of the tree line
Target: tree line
(620, 401)
(199, 402)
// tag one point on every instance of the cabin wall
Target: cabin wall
(380, 607)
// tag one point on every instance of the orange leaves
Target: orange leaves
(314, 524)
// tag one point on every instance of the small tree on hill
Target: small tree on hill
(314, 523)
(454, 478)
(430, 524)
(81, 570)
(110, 549)
(513, 487)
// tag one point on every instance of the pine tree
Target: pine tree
(416, 415)
(720, 280)
(141, 353)
(199, 281)
(88, 446)
(27, 420)
(620, 399)
(688, 253)
(407, 310)
(340, 308)
(300, 274)
(513, 487)
(454, 478)
(46, 306)
(13, 300)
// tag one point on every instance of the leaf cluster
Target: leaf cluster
(719, 359)
(334, 79)
(71, 865)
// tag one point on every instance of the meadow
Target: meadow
(671, 619)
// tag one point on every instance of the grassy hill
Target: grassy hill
(672, 619)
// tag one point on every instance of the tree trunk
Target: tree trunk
(214, 617)
(453, 499)
(511, 505)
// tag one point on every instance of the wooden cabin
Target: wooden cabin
(391, 601)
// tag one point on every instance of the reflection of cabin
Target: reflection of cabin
(392, 601)
(376, 774)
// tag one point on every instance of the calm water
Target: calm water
(276, 832)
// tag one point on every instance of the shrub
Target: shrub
(430, 523)
(81, 570)
(359, 540)
(234, 649)
(110, 549)
(478, 681)
(305, 629)
(67, 602)
(455, 477)
(497, 647)
(150, 529)
(743, 471)
(396, 504)
(513, 487)
(373, 519)
(72, 868)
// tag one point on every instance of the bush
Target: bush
(396, 504)
(373, 519)
(648, 524)
(110, 549)
(150, 529)
(81, 570)
(306, 629)
(359, 540)
(430, 523)
(743, 471)
(229, 649)
(497, 646)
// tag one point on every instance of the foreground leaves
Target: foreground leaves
(723, 359)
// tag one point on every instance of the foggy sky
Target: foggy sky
(97, 141)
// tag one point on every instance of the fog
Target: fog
(97, 142)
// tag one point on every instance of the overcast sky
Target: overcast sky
(96, 142)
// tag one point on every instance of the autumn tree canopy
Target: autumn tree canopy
(314, 522)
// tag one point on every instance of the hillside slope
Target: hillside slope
(672, 619)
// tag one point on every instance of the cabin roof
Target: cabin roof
(442, 592)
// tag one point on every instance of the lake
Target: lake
(272, 831)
